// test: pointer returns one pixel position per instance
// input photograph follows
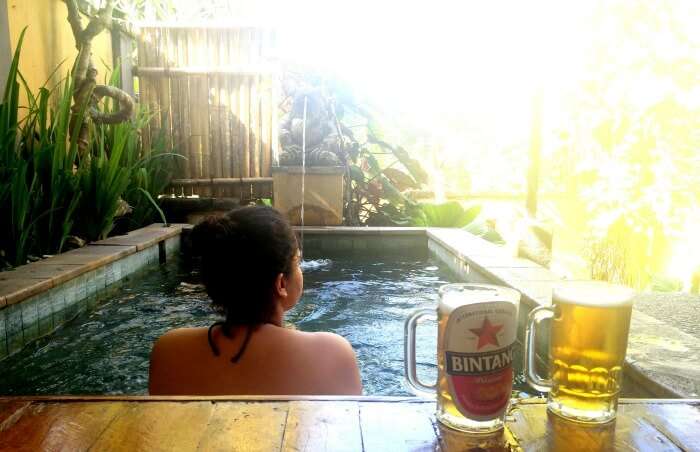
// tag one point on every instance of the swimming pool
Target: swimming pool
(366, 300)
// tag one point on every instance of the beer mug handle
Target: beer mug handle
(410, 353)
(535, 317)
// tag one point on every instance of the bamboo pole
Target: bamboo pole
(254, 127)
(194, 113)
(183, 97)
(178, 136)
(203, 100)
(244, 111)
(225, 97)
(223, 181)
(266, 126)
(215, 96)
(228, 24)
(153, 89)
(164, 105)
(156, 71)
(245, 104)
(214, 107)
(274, 105)
(143, 88)
(235, 109)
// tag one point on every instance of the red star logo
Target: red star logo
(487, 333)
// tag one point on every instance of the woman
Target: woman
(251, 271)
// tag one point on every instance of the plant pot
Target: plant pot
(323, 194)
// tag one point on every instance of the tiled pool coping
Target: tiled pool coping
(36, 299)
(662, 361)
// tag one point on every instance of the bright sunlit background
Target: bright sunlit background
(620, 83)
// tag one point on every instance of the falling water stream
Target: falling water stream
(303, 177)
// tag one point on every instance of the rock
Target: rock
(315, 132)
(73, 242)
(286, 138)
(123, 208)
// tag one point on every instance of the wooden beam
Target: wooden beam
(222, 181)
(248, 70)
(210, 25)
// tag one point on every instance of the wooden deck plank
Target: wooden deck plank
(290, 424)
(77, 426)
(322, 426)
(156, 426)
(398, 426)
(534, 429)
(632, 433)
(246, 427)
(680, 424)
(10, 411)
(28, 432)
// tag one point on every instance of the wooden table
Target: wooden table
(322, 424)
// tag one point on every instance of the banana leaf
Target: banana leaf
(447, 215)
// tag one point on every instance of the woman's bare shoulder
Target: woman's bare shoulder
(176, 338)
(317, 338)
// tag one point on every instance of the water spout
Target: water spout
(303, 176)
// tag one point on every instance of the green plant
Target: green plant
(379, 174)
(45, 138)
(49, 191)
(38, 187)
(662, 283)
(102, 181)
(151, 174)
(14, 192)
(346, 132)
(446, 215)
(122, 171)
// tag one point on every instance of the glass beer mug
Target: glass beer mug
(477, 326)
(590, 324)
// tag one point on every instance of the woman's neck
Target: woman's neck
(277, 316)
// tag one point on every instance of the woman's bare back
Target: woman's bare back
(276, 361)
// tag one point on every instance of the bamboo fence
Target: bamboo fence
(213, 96)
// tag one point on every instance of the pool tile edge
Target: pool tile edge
(651, 371)
(33, 306)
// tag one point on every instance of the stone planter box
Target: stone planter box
(323, 194)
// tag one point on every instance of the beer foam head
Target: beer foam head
(455, 295)
(593, 293)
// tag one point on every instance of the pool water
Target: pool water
(106, 351)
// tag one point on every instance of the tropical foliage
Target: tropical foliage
(627, 166)
(50, 191)
(382, 176)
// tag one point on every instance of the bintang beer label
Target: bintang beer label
(478, 357)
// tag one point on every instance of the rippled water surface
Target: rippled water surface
(106, 351)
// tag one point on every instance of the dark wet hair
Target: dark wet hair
(242, 253)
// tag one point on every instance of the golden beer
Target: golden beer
(477, 326)
(588, 341)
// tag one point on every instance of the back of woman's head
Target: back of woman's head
(242, 254)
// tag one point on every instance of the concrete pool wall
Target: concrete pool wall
(36, 299)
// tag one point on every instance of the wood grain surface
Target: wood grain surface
(117, 423)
